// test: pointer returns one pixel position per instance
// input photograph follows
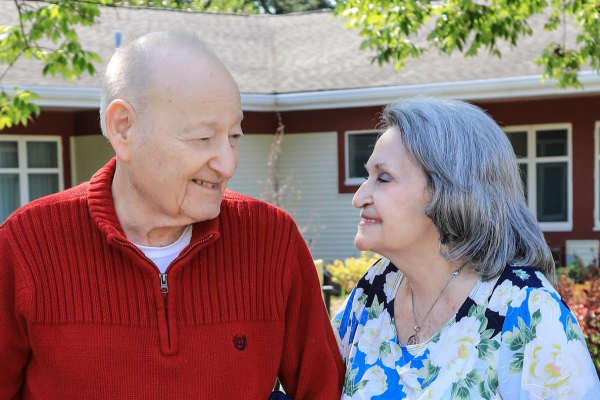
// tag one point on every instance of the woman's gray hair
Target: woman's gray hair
(477, 202)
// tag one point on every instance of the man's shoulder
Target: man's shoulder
(248, 206)
(48, 203)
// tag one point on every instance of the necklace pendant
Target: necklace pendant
(412, 340)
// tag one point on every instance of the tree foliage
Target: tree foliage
(46, 31)
(392, 28)
(288, 6)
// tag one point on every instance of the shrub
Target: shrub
(348, 272)
(584, 300)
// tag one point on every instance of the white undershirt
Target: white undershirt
(163, 256)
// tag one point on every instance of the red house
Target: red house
(308, 70)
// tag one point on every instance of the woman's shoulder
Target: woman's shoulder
(374, 291)
(380, 282)
(515, 284)
(523, 276)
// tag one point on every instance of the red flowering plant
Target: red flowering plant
(579, 287)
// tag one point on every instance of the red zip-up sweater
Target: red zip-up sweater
(85, 315)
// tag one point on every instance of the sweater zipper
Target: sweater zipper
(163, 277)
(168, 343)
(164, 283)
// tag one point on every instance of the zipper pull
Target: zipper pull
(164, 285)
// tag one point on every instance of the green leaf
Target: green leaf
(536, 317)
(385, 349)
(459, 391)
(400, 30)
(521, 274)
(483, 391)
(574, 331)
(428, 373)
(492, 379)
(516, 365)
(472, 379)
(376, 309)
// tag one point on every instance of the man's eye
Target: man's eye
(234, 138)
(384, 177)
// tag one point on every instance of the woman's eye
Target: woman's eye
(384, 177)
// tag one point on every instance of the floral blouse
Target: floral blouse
(512, 338)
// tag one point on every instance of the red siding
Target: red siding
(581, 111)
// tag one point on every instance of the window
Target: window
(30, 167)
(359, 146)
(544, 156)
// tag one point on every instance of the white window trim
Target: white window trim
(596, 175)
(23, 170)
(531, 160)
(352, 181)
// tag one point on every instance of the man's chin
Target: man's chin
(205, 214)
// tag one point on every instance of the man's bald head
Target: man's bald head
(134, 69)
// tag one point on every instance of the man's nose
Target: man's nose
(225, 160)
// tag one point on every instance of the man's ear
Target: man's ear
(120, 117)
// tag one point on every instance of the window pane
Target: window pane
(523, 171)
(519, 143)
(551, 143)
(10, 197)
(42, 154)
(42, 185)
(360, 147)
(9, 155)
(552, 192)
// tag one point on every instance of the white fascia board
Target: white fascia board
(60, 96)
(484, 89)
(475, 90)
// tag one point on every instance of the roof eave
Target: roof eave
(474, 90)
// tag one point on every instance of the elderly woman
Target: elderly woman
(461, 306)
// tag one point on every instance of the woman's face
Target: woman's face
(392, 201)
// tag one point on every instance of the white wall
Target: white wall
(88, 154)
(309, 165)
(251, 174)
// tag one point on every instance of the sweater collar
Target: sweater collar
(102, 210)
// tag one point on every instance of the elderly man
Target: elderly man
(152, 281)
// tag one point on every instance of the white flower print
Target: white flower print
(409, 376)
(554, 367)
(373, 271)
(456, 351)
(482, 291)
(376, 383)
(389, 288)
(540, 299)
(504, 295)
(531, 354)
(390, 353)
(545, 283)
(375, 332)
(358, 292)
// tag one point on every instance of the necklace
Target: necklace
(413, 339)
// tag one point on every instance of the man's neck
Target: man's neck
(140, 224)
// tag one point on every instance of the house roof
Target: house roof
(304, 60)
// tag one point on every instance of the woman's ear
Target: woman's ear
(120, 118)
